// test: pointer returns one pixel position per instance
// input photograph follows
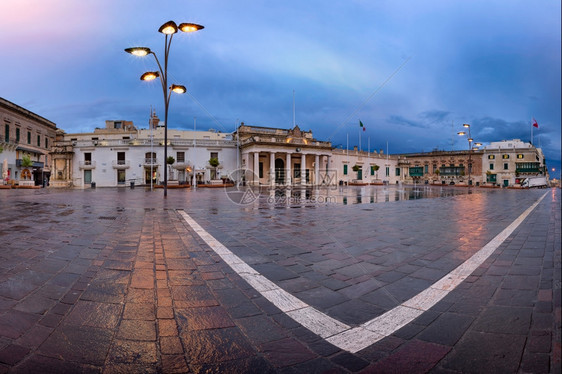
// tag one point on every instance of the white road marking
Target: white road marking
(345, 337)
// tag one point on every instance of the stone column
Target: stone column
(272, 169)
(289, 170)
(317, 170)
(256, 168)
(303, 169)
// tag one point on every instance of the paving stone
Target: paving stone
(203, 318)
(82, 344)
(506, 320)
(414, 357)
(215, 346)
(484, 352)
(286, 352)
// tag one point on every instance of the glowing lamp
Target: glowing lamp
(149, 75)
(461, 133)
(138, 51)
(168, 28)
(177, 88)
(190, 27)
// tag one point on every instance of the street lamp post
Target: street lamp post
(168, 29)
(470, 140)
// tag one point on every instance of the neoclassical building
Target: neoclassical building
(24, 146)
(284, 157)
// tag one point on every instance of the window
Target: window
(39, 140)
(520, 156)
(261, 169)
(87, 158)
(121, 159)
(426, 169)
(29, 137)
(505, 166)
(344, 169)
(372, 170)
(297, 171)
(46, 142)
(397, 172)
(7, 134)
(17, 135)
(121, 175)
(434, 168)
(180, 156)
(491, 166)
(215, 155)
(388, 171)
(505, 157)
(491, 157)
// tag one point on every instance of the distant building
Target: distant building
(508, 162)
(24, 145)
(441, 167)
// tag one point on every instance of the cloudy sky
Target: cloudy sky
(413, 71)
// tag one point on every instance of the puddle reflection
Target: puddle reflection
(347, 195)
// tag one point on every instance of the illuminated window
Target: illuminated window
(505, 156)
(491, 157)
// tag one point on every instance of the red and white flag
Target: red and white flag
(535, 124)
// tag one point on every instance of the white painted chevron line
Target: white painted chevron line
(354, 339)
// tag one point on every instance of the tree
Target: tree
(26, 161)
(376, 169)
(214, 162)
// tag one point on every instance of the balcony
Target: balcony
(120, 164)
(452, 170)
(148, 162)
(87, 165)
(416, 171)
(180, 165)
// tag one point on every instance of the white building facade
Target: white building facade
(117, 156)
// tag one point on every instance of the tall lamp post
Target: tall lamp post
(470, 148)
(168, 29)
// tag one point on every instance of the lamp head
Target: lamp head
(461, 133)
(168, 28)
(190, 27)
(466, 125)
(149, 75)
(478, 144)
(177, 88)
(138, 51)
(470, 140)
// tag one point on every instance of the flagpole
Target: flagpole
(360, 139)
(532, 140)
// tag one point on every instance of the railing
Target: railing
(151, 161)
(120, 164)
(87, 165)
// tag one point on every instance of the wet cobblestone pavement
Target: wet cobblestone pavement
(116, 280)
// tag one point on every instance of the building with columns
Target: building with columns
(24, 146)
(280, 157)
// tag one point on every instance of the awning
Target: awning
(30, 150)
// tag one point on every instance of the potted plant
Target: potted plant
(170, 161)
(214, 162)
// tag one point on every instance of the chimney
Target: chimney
(381, 152)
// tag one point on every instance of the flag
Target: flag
(361, 125)
(535, 124)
